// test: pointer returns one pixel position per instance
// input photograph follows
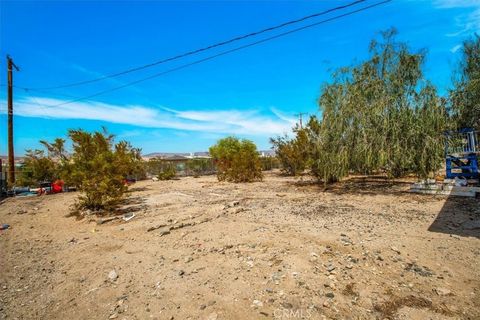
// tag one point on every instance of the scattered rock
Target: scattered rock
(212, 316)
(112, 275)
(422, 271)
(164, 232)
(443, 291)
(394, 249)
(330, 267)
(329, 295)
(257, 303)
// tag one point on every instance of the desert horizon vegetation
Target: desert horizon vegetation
(380, 115)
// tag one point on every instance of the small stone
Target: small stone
(329, 295)
(330, 267)
(181, 273)
(112, 275)
(257, 303)
(212, 316)
(442, 291)
(188, 259)
(330, 285)
(211, 303)
(164, 232)
(394, 249)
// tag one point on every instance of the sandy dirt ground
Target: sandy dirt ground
(283, 248)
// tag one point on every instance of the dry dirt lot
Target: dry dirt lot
(278, 249)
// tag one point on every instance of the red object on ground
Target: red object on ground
(57, 186)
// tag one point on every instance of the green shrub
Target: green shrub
(167, 171)
(37, 168)
(269, 163)
(197, 167)
(99, 168)
(236, 160)
(293, 154)
(162, 169)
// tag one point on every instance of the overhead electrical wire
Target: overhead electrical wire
(218, 55)
(189, 53)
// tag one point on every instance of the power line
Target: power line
(219, 54)
(252, 34)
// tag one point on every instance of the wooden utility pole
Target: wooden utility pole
(11, 155)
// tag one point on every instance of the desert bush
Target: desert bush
(167, 170)
(269, 163)
(197, 167)
(99, 168)
(37, 167)
(293, 154)
(236, 160)
(162, 169)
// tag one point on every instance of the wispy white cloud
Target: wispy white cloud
(95, 74)
(468, 20)
(249, 122)
(456, 3)
(455, 48)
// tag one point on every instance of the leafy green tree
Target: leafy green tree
(379, 115)
(465, 97)
(236, 160)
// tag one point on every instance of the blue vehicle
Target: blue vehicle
(462, 151)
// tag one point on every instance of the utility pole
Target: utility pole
(300, 118)
(11, 155)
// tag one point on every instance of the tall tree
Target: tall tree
(465, 96)
(381, 114)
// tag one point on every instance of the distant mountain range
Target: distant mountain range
(189, 155)
(165, 155)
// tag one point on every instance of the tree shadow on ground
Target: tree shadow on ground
(138, 189)
(364, 185)
(130, 205)
(459, 216)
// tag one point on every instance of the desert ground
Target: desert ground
(284, 248)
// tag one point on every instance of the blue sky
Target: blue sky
(253, 93)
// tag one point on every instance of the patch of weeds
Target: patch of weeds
(349, 290)
(389, 308)
(422, 271)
